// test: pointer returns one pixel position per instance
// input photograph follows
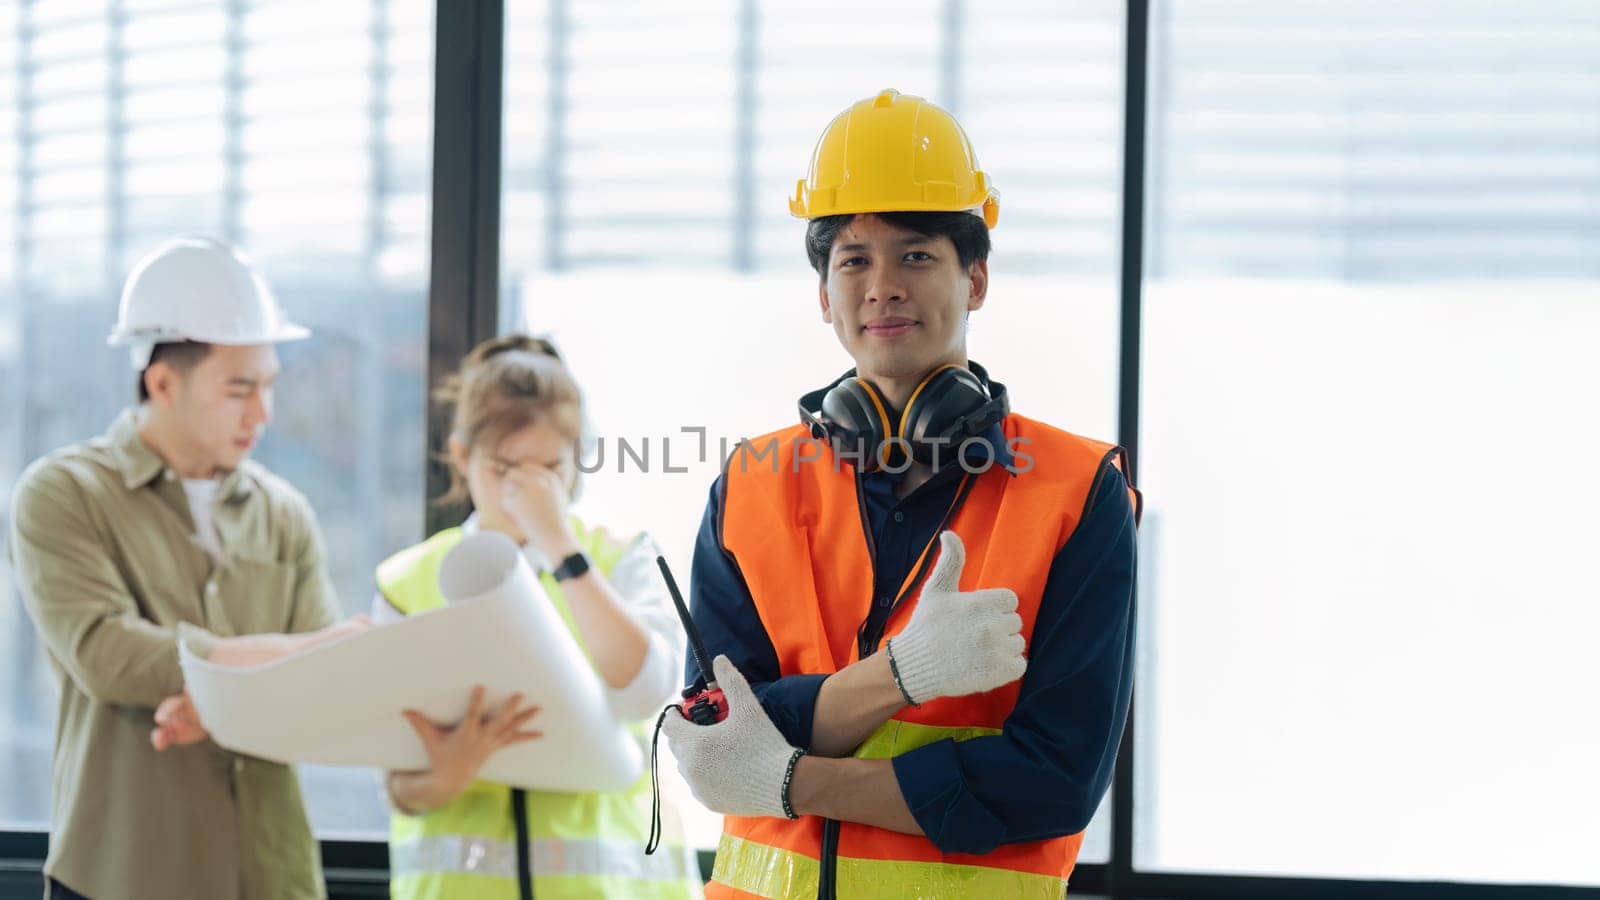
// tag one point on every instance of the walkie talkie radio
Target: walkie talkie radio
(702, 707)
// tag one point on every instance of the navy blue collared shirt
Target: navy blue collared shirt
(1044, 775)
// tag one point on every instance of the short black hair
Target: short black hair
(967, 231)
(180, 355)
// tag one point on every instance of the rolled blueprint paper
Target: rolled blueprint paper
(339, 704)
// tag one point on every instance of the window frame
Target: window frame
(464, 308)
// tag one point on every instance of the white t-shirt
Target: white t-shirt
(202, 497)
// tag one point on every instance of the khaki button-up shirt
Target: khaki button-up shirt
(104, 550)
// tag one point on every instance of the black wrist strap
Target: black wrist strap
(571, 567)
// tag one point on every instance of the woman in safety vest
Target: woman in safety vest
(517, 424)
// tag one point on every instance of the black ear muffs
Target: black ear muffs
(949, 406)
(852, 417)
(860, 420)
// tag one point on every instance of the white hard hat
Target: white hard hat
(197, 289)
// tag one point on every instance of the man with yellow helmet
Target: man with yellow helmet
(906, 719)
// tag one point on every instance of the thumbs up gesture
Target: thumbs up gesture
(957, 642)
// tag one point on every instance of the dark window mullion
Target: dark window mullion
(1135, 68)
(464, 277)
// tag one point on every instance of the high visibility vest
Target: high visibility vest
(581, 844)
(797, 529)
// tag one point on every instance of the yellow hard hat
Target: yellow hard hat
(894, 153)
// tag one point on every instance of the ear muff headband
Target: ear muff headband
(877, 405)
(951, 403)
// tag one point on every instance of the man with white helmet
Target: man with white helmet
(159, 530)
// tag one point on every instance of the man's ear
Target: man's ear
(822, 298)
(161, 382)
(978, 292)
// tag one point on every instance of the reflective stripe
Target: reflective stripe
(594, 856)
(772, 872)
(455, 854)
(895, 737)
(764, 870)
(463, 855)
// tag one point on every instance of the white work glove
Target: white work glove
(958, 642)
(738, 766)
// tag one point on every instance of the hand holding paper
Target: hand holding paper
(177, 723)
(341, 703)
(456, 753)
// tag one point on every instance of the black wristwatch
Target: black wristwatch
(571, 567)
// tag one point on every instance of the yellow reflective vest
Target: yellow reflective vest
(580, 844)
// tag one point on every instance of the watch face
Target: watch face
(571, 567)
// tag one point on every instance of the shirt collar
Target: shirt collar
(995, 436)
(239, 483)
(140, 465)
(977, 461)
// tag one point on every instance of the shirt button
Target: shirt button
(883, 602)
(899, 517)
(169, 475)
(211, 589)
(238, 765)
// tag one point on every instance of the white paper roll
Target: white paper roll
(339, 704)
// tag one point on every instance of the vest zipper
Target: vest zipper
(827, 887)
(868, 640)
(519, 817)
(828, 876)
(867, 644)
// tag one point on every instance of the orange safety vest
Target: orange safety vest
(796, 527)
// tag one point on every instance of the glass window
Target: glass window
(1370, 320)
(301, 131)
(649, 152)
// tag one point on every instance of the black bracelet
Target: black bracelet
(788, 776)
(888, 649)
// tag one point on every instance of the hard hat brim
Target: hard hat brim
(988, 210)
(284, 333)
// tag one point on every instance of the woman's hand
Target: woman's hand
(536, 500)
(456, 754)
